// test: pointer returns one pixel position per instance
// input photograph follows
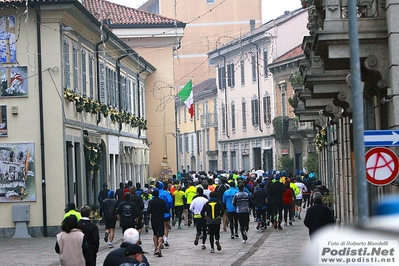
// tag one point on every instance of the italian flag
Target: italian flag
(186, 96)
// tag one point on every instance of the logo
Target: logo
(372, 252)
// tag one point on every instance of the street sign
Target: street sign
(382, 166)
(374, 138)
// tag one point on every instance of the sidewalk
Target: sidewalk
(272, 247)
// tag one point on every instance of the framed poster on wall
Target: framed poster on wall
(3, 121)
(17, 172)
(8, 41)
(14, 81)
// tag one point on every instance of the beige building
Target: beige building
(197, 136)
(327, 97)
(210, 24)
(296, 140)
(246, 92)
(73, 112)
(156, 38)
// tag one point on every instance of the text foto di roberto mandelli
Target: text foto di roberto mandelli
(359, 243)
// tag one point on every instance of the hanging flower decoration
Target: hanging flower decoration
(93, 158)
(92, 106)
(321, 139)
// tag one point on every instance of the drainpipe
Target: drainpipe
(98, 73)
(118, 72)
(258, 81)
(42, 150)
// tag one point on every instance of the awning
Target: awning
(135, 153)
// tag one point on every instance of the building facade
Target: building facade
(210, 24)
(327, 95)
(246, 92)
(197, 148)
(156, 38)
(73, 112)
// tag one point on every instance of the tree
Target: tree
(280, 128)
(312, 163)
(285, 163)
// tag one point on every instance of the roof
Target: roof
(297, 51)
(119, 15)
(205, 85)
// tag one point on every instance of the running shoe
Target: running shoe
(280, 228)
(218, 246)
(173, 223)
(159, 254)
(290, 222)
(110, 246)
(232, 236)
(162, 246)
(212, 250)
(299, 217)
(196, 240)
(244, 241)
(245, 235)
(166, 244)
(106, 237)
(203, 246)
(236, 235)
(156, 252)
(285, 224)
(179, 227)
(275, 224)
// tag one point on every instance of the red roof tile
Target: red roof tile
(122, 15)
(290, 54)
(115, 14)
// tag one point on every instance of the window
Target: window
(91, 76)
(283, 104)
(244, 115)
(102, 84)
(67, 68)
(142, 101)
(267, 112)
(207, 140)
(230, 75)
(255, 111)
(222, 77)
(75, 67)
(180, 143)
(124, 94)
(185, 114)
(254, 67)
(265, 73)
(135, 97)
(186, 142)
(83, 72)
(223, 118)
(242, 72)
(233, 117)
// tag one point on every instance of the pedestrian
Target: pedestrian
(306, 194)
(232, 217)
(117, 256)
(69, 244)
(165, 195)
(136, 199)
(134, 256)
(146, 196)
(71, 210)
(200, 223)
(178, 204)
(109, 208)
(318, 215)
(220, 191)
(119, 192)
(261, 198)
(128, 213)
(189, 194)
(243, 203)
(288, 202)
(276, 197)
(157, 208)
(298, 200)
(91, 238)
(103, 194)
(212, 211)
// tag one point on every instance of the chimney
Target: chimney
(252, 24)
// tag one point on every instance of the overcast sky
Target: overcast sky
(271, 9)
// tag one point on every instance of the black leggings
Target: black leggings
(243, 219)
(200, 224)
(214, 233)
(178, 213)
(233, 222)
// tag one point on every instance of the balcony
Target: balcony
(208, 120)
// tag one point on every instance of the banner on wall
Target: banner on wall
(17, 172)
